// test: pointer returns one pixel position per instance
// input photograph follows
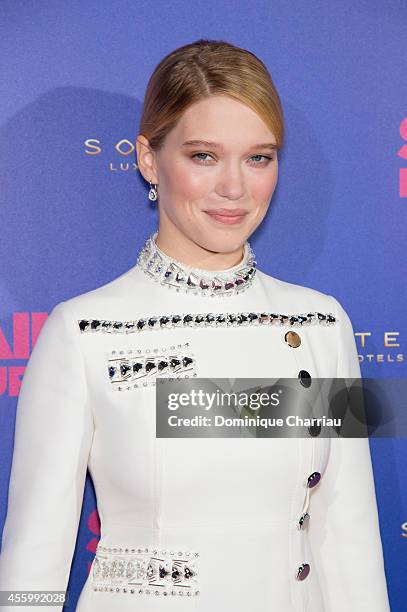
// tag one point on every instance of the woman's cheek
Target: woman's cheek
(193, 185)
(186, 182)
(263, 188)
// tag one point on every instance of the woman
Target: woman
(194, 524)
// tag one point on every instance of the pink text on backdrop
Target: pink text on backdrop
(402, 152)
(25, 329)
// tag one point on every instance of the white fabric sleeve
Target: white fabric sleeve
(53, 435)
(344, 527)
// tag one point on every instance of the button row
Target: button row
(305, 568)
(294, 340)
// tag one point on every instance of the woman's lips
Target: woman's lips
(227, 218)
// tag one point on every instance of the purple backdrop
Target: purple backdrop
(74, 210)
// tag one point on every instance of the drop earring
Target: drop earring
(153, 194)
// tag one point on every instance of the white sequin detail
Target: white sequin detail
(145, 571)
(206, 319)
(134, 368)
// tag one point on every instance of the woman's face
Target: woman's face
(218, 160)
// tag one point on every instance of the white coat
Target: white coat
(207, 525)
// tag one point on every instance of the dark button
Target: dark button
(314, 430)
(313, 479)
(305, 378)
(303, 571)
(304, 519)
(292, 339)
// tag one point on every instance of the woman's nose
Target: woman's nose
(231, 183)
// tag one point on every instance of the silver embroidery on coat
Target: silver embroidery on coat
(145, 571)
(223, 319)
(141, 367)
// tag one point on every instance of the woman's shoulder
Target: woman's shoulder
(113, 295)
(296, 298)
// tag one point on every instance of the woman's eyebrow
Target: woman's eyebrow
(216, 145)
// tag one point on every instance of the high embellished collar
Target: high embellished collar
(176, 275)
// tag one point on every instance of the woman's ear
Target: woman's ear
(146, 161)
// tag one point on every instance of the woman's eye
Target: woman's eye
(266, 159)
(196, 156)
(259, 160)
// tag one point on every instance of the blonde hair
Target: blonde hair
(201, 69)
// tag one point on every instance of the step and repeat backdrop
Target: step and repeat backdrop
(75, 212)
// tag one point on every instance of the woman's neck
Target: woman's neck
(174, 273)
(176, 245)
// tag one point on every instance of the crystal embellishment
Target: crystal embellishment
(176, 275)
(206, 319)
(145, 571)
(141, 367)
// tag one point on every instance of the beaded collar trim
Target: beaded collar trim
(175, 275)
(227, 319)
